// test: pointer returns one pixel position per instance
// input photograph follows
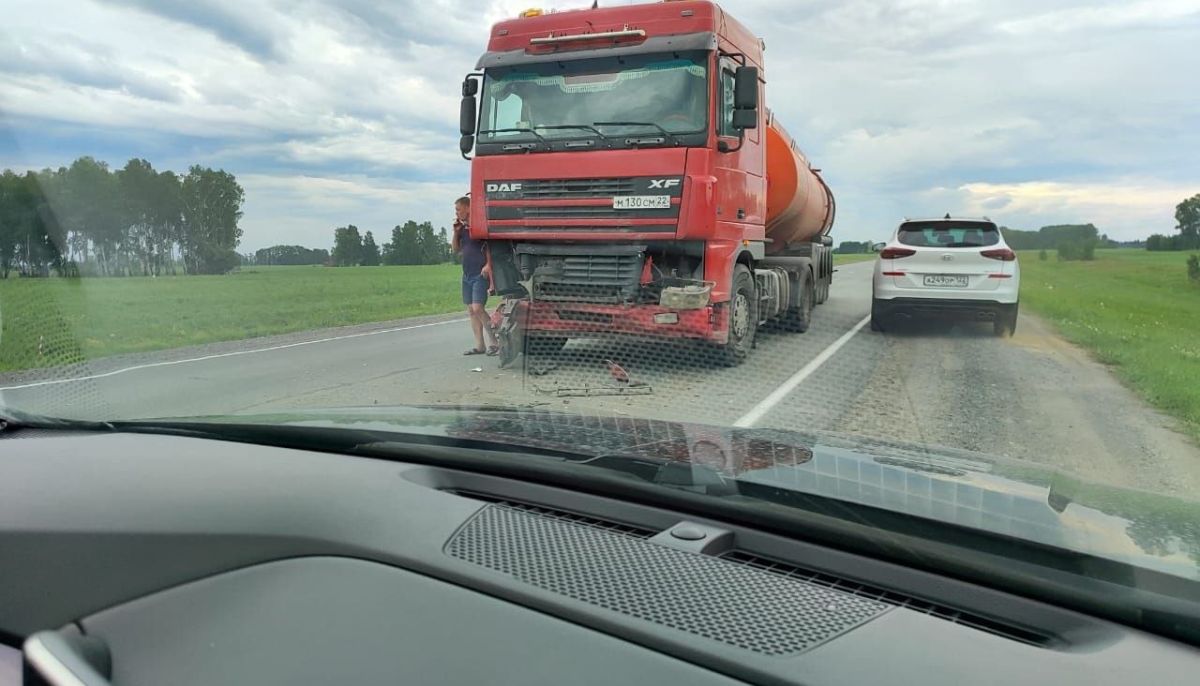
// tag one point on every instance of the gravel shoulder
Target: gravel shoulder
(1032, 397)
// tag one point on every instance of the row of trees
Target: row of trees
(87, 219)
(1050, 237)
(1187, 223)
(290, 255)
(411, 243)
(853, 247)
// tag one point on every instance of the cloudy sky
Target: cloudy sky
(332, 112)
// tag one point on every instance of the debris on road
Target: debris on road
(594, 391)
(617, 371)
(540, 368)
(477, 369)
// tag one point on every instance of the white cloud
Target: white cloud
(303, 210)
(1126, 209)
(1076, 19)
(894, 100)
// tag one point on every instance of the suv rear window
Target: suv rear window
(948, 234)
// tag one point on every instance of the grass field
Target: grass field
(48, 322)
(849, 259)
(1133, 309)
(58, 321)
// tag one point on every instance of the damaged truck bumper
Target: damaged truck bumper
(708, 323)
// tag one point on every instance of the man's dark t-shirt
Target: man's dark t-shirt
(473, 258)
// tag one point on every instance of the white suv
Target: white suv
(946, 267)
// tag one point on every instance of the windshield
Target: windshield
(948, 235)
(722, 255)
(573, 99)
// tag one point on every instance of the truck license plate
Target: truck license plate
(945, 281)
(642, 202)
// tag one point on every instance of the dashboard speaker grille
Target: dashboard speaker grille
(717, 599)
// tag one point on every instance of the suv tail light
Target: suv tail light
(1002, 254)
(896, 253)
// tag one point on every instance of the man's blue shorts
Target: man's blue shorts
(475, 289)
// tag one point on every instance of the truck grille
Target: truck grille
(576, 188)
(575, 212)
(591, 278)
(601, 269)
(595, 228)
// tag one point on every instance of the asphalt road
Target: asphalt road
(1032, 396)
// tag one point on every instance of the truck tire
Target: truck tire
(823, 287)
(798, 319)
(743, 319)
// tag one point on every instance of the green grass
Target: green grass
(848, 259)
(1134, 310)
(48, 322)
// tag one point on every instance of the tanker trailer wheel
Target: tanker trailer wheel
(823, 291)
(798, 319)
(743, 318)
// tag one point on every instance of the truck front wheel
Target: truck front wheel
(743, 318)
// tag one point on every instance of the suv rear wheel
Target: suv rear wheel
(877, 323)
(1005, 323)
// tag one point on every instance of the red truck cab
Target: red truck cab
(620, 177)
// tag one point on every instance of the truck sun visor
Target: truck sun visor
(704, 40)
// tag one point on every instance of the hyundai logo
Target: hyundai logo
(947, 258)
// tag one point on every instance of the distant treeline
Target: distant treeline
(1187, 222)
(135, 221)
(411, 243)
(290, 255)
(853, 247)
(1050, 237)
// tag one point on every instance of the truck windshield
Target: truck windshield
(561, 100)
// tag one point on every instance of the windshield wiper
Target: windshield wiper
(585, 127)
(520, 129)
(13, 420)
(667, 135)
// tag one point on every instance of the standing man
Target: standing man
(475, 278)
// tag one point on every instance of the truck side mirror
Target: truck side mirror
(745, 119)
(467, 114)
(745, 89)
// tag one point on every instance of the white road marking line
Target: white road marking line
(762, 408)
(235, 353)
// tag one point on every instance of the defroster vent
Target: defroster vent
(734, 604)
(862, 590)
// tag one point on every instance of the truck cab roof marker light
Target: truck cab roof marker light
(602, 35)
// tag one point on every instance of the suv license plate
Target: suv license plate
(642, 202)
(945, 281)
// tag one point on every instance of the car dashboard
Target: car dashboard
(143, 559)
